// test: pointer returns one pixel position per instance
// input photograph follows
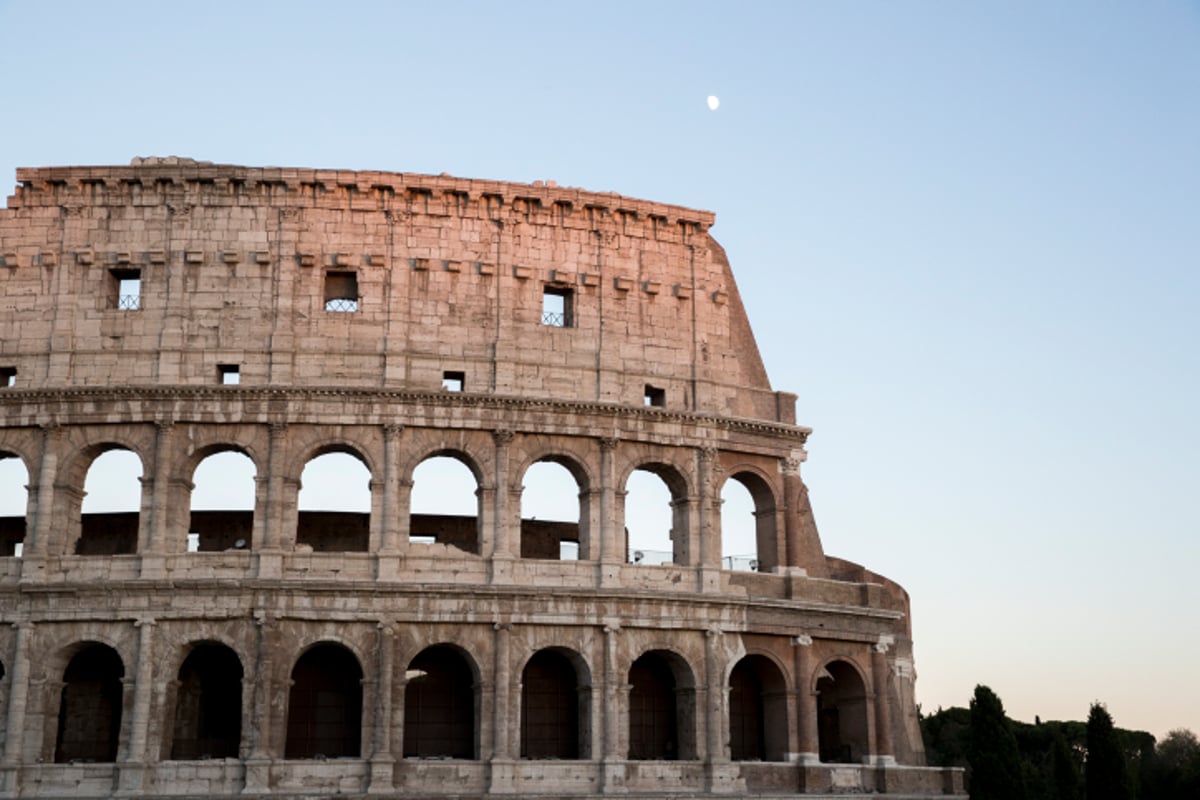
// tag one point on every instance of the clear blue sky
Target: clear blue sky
(966, 234)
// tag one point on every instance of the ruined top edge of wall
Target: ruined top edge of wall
(91, 185)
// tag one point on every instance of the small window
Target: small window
(422, 538)
(341, 291)
(127, 285)
(230, 374)
(568, 550)
(654, 396)
(193, 543)
(557, 311)
(8, 377)
(453, 381)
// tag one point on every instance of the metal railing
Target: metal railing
(554, 319)
(129, 302)
(342, 304)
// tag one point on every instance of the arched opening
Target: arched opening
(324, 718)
(223, 497)
(334, 504)
(758, 726)
(842, 714)
(661, 708)
(208, 704)
(14, 502)
(553, 703)
(748, 531)
(111, 504)
(89, 713)
(439, 705)
(655, 523)
(550, 512)
(444, 506)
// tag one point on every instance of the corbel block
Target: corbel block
(376, 259)
(485, 268)
(157, 256)
(652, 287)
(419, 264)
(720, 298)
(230, 256)
(562, 276)
(452, 266)
(523, 273)
(683, 291)
(622, 283)
(589, 279)
(307, 259)
(193, 257)
(49, 259)
(85, 257)
(262, 256)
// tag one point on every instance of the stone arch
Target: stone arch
(546, 536)
(555, 705)
(90, 705)
(105, 532)
(14, 502)
(221, 528)
(343, 529)
(441, 704)
(325, 704)
(441, 527)
(662, 707)
(766, 533)
(758, 719)
(208, 703)
(651, 547)
(842, 712)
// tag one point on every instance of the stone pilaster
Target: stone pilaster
(806, 701)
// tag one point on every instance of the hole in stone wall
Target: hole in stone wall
(444, 504)
(112, 500)
(222, 508)
(550, 511)
(208, 704)
(324, 718)
(648, 519)
(334, 504)
(89, 712)
(14, 503)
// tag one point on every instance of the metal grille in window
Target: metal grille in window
(554, 318)
(556, 307)
(129, 302)
(341, 291)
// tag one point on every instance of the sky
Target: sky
(966, 235)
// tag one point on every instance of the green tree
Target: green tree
(1105, 774)
(992, 751)
(1066, 774)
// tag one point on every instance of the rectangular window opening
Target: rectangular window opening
(654, 396)
(568, 550)
(453, 381)
(193, 543)
(557, 307)
(127, 284)
(8, 377)
(422, 538)
(341, 291)
(230, 374)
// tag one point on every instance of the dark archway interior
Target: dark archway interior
(439, 705)
(325, 705)
(758, 717)
(208, 704)
(653, 718)
(842, 715)
(549, 707)
(89, 716)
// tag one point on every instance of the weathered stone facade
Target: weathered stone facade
(293, 655)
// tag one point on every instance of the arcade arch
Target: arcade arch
(445, 503)
(842, 714)
(208, 704)
(334, 503)
(112, 500)
(758, 726)
(324, 717)
(551, 513)
(222, 502)
(14, 503)
(89, 711)
(662, 709)
(440, 713)
(554, 706)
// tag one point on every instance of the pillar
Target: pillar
(615, 708)
(608, 538)
(153, 533)
(505, 730)
(270, 559)
(37, 542)
(793, 532)
(134, 762)
(884, 749)
(18, 696)
(389, 541)
(382, 761)
(502, 551)
(259, 762)
(709, 519)
(806, 701)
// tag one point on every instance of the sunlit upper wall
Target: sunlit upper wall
(170, 272)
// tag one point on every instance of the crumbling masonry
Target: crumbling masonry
(178, 310)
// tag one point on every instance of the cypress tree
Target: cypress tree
(1105, 775)
(992, 751)
(1066, 774)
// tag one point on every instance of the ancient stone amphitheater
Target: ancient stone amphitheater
(172, 312)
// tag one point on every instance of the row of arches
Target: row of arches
(337, 498)
(441, 714)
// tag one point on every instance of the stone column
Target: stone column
(504, 716)
(792, 487)
(502, 534)
(612, 755)
(609, 535)
(884, 750)
(722, 776)
(154, 534)
(389, 542)
(806, 701)
(708, 507)
(258, 765)
(18, 697)
(382, 761)
(270, 561)
(37, 544)
(134, 762)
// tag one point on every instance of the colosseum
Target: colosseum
(227, 330)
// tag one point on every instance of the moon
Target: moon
(714, 102)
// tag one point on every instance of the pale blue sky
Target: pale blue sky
(966, 234)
